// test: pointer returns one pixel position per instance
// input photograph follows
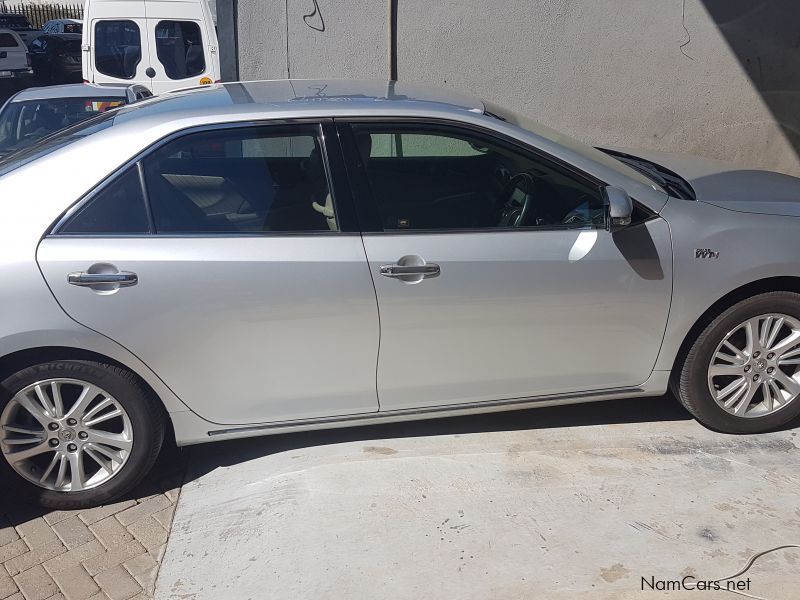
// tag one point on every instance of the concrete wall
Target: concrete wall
(717, 78)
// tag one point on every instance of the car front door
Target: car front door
(495, 275)
(227, 260)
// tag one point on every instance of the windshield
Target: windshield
(24, 123)
(570, 143)
(63, 138)
(15, 22)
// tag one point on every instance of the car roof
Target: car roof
(310, 96)
(73, 90)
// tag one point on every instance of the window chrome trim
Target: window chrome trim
(55, 228)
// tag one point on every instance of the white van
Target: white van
(162, 44)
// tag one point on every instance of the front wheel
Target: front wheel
(75, 434)
(742, 373)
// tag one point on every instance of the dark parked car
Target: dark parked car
(56, 58)
(21, 25)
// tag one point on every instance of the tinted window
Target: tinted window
(243, 180)
(24, 123)
(73, 28)
(441, 178)
(7, 41)
(180, 49)
(117, 209)
(117, 48)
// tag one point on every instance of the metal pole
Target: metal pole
(392, 40)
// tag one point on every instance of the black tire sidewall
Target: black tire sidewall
(694, 379)
(143, 412)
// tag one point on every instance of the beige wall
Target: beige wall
(610, 72)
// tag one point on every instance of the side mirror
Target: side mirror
(620, 208)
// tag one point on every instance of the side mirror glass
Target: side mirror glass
(620, 208)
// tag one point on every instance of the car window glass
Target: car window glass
(441, 178)
(118, 208)
(36, 45)
(73, 28)
(249, 180)
(7, 41)
(179, 47)
(117, 48)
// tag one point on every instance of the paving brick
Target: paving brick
(13, 549)
(76, 584)
(101, 512)
(111, 532)
(73, 558)
(60, 515)
(73, 532)
(42, 541)
(17, 596)
(164, 517)
(144, 509)
(149, 533)
(158, 553)
(118, 583)
(101, 596)
(144, 569)
(7, 532)
(7, 585)
(114, 557)
(35, 584)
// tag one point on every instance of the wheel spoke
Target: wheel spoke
(769, 400)
(788, 343)
(114, 440)
(22, 430)
(747, 397)
(777, 395)
(23, 441)
(19, 455)
(104, 417)
(751, 333)
(56, 460)
(723, 370)
(88, 393)
(774, 331)
(730, 388)
(790, 384)
(41, 396)
(738, 354)
(105, 464)
(58, 403)
(103, 404)
(62, 472)
(32, 408)
(763, 331)
(76, 472)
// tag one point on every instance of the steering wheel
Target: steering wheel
(519, 201)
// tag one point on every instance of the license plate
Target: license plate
(5, 73)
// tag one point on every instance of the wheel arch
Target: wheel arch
(21, 359)
(761, 286)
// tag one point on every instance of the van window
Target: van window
(179, 48)
(7, 41)
(117, 48)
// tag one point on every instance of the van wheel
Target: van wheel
(742, 373)
(76, 434)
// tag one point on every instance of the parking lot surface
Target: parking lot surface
(573, 502)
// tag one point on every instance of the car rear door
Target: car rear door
(477, 306)
(239, 277)
(13, 55)
(119, 48)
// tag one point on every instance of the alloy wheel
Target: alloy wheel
(755, 370)
(65, 435)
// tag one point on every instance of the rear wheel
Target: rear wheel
(75, 433)
(742, 373)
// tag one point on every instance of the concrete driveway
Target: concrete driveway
(570, 502)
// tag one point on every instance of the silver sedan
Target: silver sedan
(258, 258)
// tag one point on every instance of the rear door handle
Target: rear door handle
(122, 279)
(426, 270)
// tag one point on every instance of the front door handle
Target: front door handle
(121, 279)
(427, 270)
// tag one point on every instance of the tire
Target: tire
(694, 381)
(141, 423)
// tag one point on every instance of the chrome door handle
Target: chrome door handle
(426, 270)
(122, 279)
